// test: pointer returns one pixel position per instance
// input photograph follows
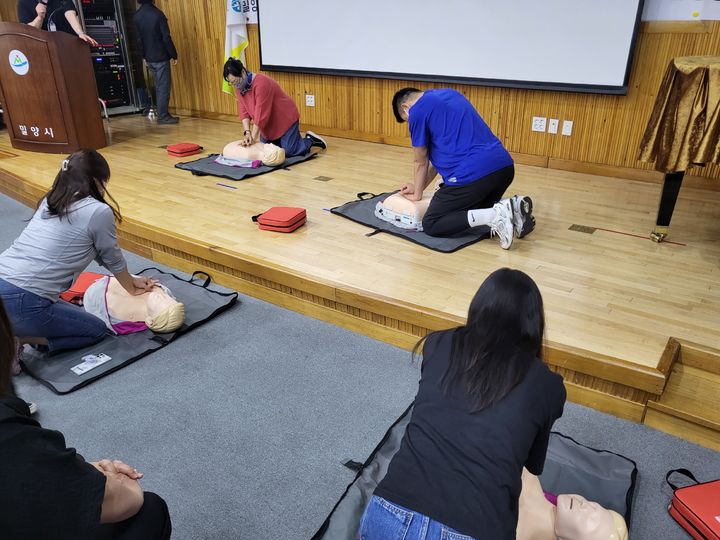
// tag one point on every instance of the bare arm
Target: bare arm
(123, 495)
(37, 22)
(72, 18)
(248, 138)
(424, 173)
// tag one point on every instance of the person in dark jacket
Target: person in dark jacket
(157, 49)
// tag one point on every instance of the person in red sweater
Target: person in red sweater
(275, 116)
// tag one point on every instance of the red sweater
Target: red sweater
(268, 107)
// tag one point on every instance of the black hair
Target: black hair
(144, 1)
(495, 349)
(7, 353)
(400, 97)
(233, 67)
(78, 179)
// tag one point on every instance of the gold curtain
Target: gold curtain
(684, 127)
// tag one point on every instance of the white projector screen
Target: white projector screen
(573, 45)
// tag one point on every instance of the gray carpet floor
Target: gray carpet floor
(241, 425)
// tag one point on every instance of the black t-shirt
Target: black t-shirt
(464, 470)
(46, 490)
(56, 10)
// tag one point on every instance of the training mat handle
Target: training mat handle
(208, 279)
(684, 472)
(364, 194)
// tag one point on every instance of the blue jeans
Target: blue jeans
(384, 520)
(64, 325)
(292, 142)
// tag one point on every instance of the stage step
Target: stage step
(690, 405)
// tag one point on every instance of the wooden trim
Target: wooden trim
(600, 401)
(676, 27)
(683, 429)
(678, 413)
(606, 170)
(699, 356)
(670, 355)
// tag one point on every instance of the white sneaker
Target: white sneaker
(502, 225)
(523, 221)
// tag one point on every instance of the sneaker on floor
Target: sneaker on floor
(523, 221)
(32, 406)
(168, 120)
(316, 139)
(502, 226)
(19, 357)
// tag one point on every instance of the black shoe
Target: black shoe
(167, 120)
(144, 112)
(316, 140)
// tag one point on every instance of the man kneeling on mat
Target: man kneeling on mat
(449, 137)
(275, 116)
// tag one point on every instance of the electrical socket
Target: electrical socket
(553, 125)
(309, 100)
(538, 123)
(567, 127)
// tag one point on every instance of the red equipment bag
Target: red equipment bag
(76, 293)
(696, 508)
(281, 219)
(184, 149)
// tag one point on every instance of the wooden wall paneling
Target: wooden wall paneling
(606, 129)
(8, 11)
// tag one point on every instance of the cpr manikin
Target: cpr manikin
(124, 313)
(270, 154)
(574, 517)
(404, 213)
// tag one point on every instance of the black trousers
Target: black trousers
(152, 522)
(447, 213)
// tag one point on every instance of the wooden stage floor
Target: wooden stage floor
(613, 298)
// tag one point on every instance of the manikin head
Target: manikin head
(579, 519)
(165, 314)
(273, 156)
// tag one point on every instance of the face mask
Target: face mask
(240, 85)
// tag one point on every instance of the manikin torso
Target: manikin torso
(255, 152)
(574, 517)
(126, 307)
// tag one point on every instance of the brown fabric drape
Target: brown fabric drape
(685, 124)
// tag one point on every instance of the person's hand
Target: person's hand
(408, 191)
(143, 284)
(174, 61)
(247, 140)
(41, 10)
(117, 468)
(145, 62)
(88, 39)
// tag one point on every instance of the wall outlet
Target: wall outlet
(309, 100)
(553, 125)
(538, 123)
(567, 127)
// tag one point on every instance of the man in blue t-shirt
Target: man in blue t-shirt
(449, 137)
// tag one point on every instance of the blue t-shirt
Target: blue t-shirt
(460, 145)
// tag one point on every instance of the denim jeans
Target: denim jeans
(384, 520)
(292, 142)
(64, 325)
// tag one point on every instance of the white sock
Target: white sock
(481, 216)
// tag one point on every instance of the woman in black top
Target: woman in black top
(49, 491)
(484, 409)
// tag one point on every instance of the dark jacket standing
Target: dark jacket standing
(154, 39)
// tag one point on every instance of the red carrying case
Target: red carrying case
(281, 219)
(696, 508)
(76, 293)
(184, 149)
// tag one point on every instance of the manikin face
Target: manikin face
(158, 300)
(580, 519)
(268, 149)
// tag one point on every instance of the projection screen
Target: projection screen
(573, 45)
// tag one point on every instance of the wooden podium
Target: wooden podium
(48, 91)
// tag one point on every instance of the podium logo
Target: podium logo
(19, 62)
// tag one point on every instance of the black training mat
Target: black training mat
(363, 211)
(570, 468)
(207, 167)
(201, 305)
